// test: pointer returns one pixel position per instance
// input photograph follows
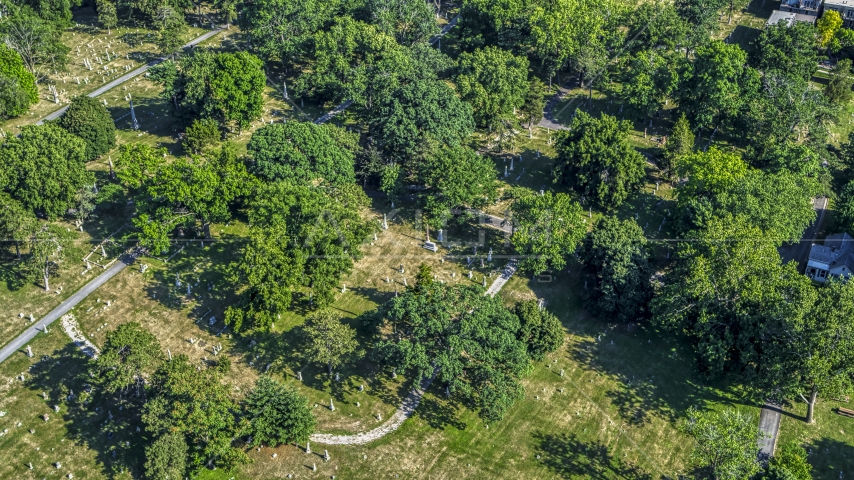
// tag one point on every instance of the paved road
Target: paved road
(800, 251)
(549, 121)
(21, 341)
(124, 78)
(769, 426)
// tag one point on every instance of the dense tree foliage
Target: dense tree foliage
(45, 167)
(787, 50)
(789, 463)
(418, 113)
(300, 152)
(202, 135)
(284, 30)
(494, 82)
(277, 413)
(838, 90)
(130, 355)
(137, 163)
(679, 144)
(16, 223)
(89, 119)
(595, 158)
(17, 84)
(455, 177)
(328, 341)
(408, 21)
(724, 443)
(540, 329)
(547, 229)
(301, 236)
(48, 245)
(196, 405)
(615, 255)
(37, 41)
(166, 457)
(469, 341)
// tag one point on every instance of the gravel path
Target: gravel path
(769, 426)
(499, 282)
(69, 324)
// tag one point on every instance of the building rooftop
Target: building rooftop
(837, 250)
(840, 3)
(803, 4)
(789, 18)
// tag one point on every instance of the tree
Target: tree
(654, 25)
(283, 30)
(725, 443)
(838, 90)
(300, 152)
(814, 353)
(787, 50)
(417, 113)
(201, 135)
(228, 87)
(89, 119)
(827, 26)
(37, 41)
(725, 293)
(328, 340)
(129, 356)
(16, 222)
(466, 340)
(711, 173)
(303, 238)
(46, 167)
(111, 197)
(540, 329)
(616, 256)
(84, 205)
(192, 193)
(277, 414)
(535, 102)
(679, 144)
(845, 206)
(547, 229)
(789, 463)
(596, 159)
(166, 457)
(455, 177)
(494, 82)
(107, 14)
(650, 79)
(408, 21)
(701, 19)
(717, 85)
(57, 12)
(169, 35)
(47, 249)
(18, 88)
(137, 163)
(355, 61)
(196, 405)
(424, 277)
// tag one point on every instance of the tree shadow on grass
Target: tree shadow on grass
(569, 457)
(439, 412)
(830, 458)
(94, 419)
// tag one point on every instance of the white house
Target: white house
(834, 259)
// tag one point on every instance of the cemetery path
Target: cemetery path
(769, 426)
(549, 121)
(133, 73)
(410, 403)
(21, 340)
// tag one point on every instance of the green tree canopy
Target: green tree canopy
(455, 177)
(547, 229)
(355, 61)
(789, 463)
(277, 413)
(651, 78)
(301, 236)
(790, 50)
(615, 255)
(166, 457)
(89, 119)
(16, 223)
(838, 89)
(724, 443)
(468, 340)
(596, 159)
(137, 163)
(129, 356)
(407, 21)
(540, 329)
(418, 112)
(107, 14)
(37, 41)
(328, 341)
(48, 245)
(197, 405)
(494, 82)
(300, 152)
(45, 167)
(284, 30)
(17, 84)
(202, 135)
(680, 144)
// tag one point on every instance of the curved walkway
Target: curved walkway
(410, 403)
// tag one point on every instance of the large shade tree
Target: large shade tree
(547, 229)
(129, 356)
(596, 159)
(89, 119)
(494, 82)
(277, 413)
(468, 341)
